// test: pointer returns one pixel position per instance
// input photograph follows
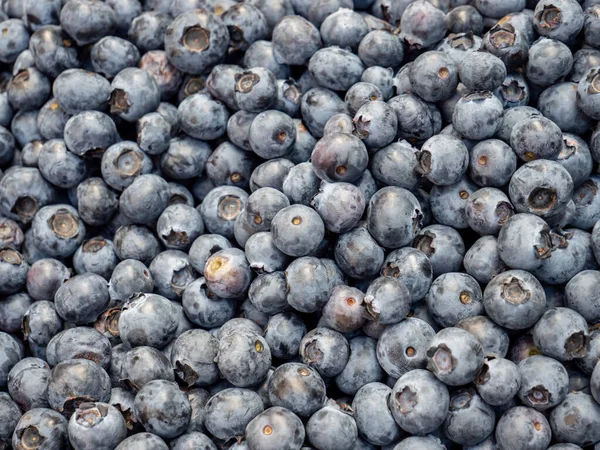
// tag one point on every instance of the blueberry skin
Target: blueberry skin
(566, 28)
(238, 128)
(73, 101)
(393, 217)
(360, 94)
(122, 163)
(482, 72)
(424, 118)
(12, 352)
(305, 235)
(227, 273)
(204, 308)
(428, 442)
(402, 347)
(84, 32)
(204, 247)
(193, 440)
(162, 408)
(221, 207)
(425, 32)
(562, 334)
(580, 295)
(244, 358)
(301, 184)
(229, 165)
(357, 254)
(79, 343)
(470, 419)
(203, 117)
(13, 271)
(141, 365)
(335, 68)
(136, 242)
(524, 241)
(185, 158)
(41, 323)
(584, 431)
(576, 157)
(454, 297)
(340, 205)
(362, 366)
(167, 77)
(419, 402)
(96, 426)
(51, 120)
(142, 441)
(112, 54)
(24, 127)
(549, 61)
(96, 202)
(262, 255)
(82, 298)
(268, 292)
(343, 311)
(9, 418)
(523, 427)
(193, 357)
(544, 382)
(374, 420)
(272, 133)
(225, 418)
(487, 210)
(339, 157)
(90, 132)
(449, 203)
(172, 273)
(261, 54)
(16, 39)
(271, 173)
(255, 89)
(514, 299)
(12, 310)
(387, 300)
(295, 40)
(340, 123)
(77, 381)
(159, 324)
(455, 356)
(96, 255)
(133, 93)
(478, 115)
(573, 253)
(325, 350)
(178, 226)
(586, 203)
(287, 431)
(28, 90)
(443, 246)
(308, 392)
(482, 260)
(332, 418)
(59, 166)
(196, 40)
(559, 104)
(44, 424)
(145, 199)
(443, 159)
(514, 53)
(221, 82)
(498, 381)
(318, 106)
(536, 138)
(412, 268)
(53, 51)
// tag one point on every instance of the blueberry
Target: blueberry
(185, 158)
(561, 333)
(90, 133)
(460, 46)
(261, 54)
(16, 38)
(178, 226)
(332, 427)
(283, 334)
(28, 90)
(97, 426)
(464, 18)
(244, 358)
(167, 77)
(521, 424)
(443, 246)
(268, 292)
(142, 441)
(544, 382)
(419, 402)
(417, 120)
(203, 117)
(162, 408)
(41, 425)
(255, 89)
(584, 430)
(298, 388)
(482, 260)
(271, 134)
(227, 273)
(112, 54)
(193, 440)
(221, 207)
(221, 82)
(136, 242)
(12, 310)
(524, 242)
(558, 20)
(9, 418)
(229, 165)
(144, 199)
(428, 442)
(498, 381)
(586, 204)
(141, 365)
(204, 308)
(507, 43)
(362, 366)
(318, 106)
(295, 40)
(422, 25)
(129, 277)
(271, 173)
(73, 19)
(133, 93)
(470, 419)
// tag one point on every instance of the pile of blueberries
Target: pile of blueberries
(299, 224)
